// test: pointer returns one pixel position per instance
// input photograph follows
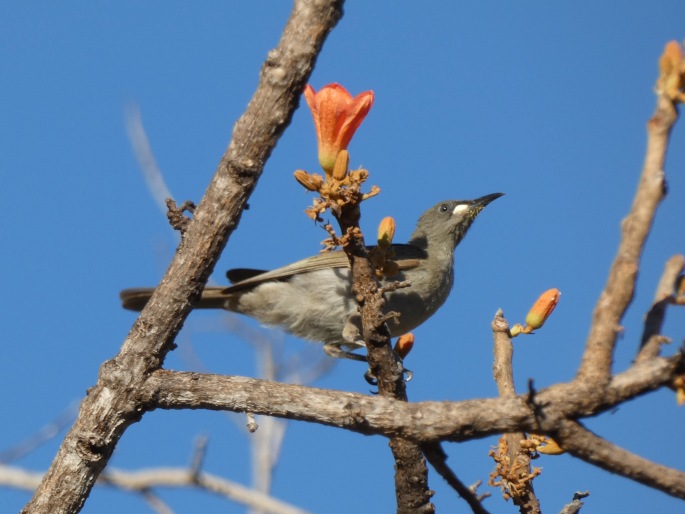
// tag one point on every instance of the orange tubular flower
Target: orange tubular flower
(336, 118)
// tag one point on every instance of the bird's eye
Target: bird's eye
(444, 207)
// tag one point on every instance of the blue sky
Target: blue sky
(544, 101)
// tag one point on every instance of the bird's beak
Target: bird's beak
(484, 200)
(477, 205)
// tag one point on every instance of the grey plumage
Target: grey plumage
(312, 298)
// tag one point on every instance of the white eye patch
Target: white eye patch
(460, 208)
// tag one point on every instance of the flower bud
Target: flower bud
(679, 384)
(541, 310)
(311, 182)
(404, 345)
(672, 72)
(342, 164)
(386, 231)
(549, 445)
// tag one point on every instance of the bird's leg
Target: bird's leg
(335, 350)
(352, 337)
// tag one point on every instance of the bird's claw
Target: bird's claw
(370, 378)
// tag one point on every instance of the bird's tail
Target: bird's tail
(212, 298)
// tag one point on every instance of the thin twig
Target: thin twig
(42, 436)
(145, 157)
(438, 459)
(517, 470)
(575, 505)
(652, 340)
(199, 454)
(155, 478)
(155, 502)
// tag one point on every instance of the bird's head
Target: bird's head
(446, 223)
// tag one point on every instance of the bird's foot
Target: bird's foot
(372, 380)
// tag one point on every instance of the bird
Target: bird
(312, 298)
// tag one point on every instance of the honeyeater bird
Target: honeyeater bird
(313, 299)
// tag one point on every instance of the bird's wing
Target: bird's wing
(239, 274)
(322, 261)
(406, 256)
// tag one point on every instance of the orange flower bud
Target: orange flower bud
(312, 182)
(336, 118)
(672, 72)
(386, 231)
(404, 345)
(541, 310)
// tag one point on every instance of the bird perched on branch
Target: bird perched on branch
(313, 299)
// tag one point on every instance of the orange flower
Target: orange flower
(336, 118)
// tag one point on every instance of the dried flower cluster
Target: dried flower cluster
(512, 477)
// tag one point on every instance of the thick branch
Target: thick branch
(618, 292)
(109, 409)
(422, 422)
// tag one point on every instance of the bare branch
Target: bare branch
(145, 157)
(422, 422)
(517, 471)
(618, 292)
(438, 459)
(575, 506)
(651, 337)
(199, 455)
(580, 442)
(157, 504)
(175, 477)
(45, 434)
(110, 407)
(145, 480)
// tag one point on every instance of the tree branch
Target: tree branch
(581, 443)
(618, 292)
(438, 459)
(422, 422)
(518, 469)
(144, 480)
(651, 342)
(109, 408)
